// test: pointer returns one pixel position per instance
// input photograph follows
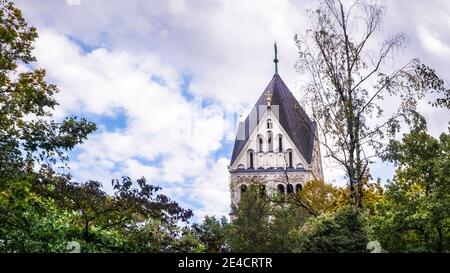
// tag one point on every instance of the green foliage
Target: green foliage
(431, 81)
(44, 216)
(410, 215)
(28, 134)
(248, 232)
(15, 36)
(212, 233)
(343, 231)
(285, 221)
(263, 222)
(135, 219)
(349, 81)
(30, 222)
(40, 209)
(29, 140)
(323, 197)
(415, 215)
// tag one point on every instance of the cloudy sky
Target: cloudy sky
(160, 79)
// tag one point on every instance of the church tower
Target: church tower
(277, 139)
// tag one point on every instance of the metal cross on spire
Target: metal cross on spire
(276, 59)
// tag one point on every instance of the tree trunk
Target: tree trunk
(359, 168)
(86, 231)
(440, 244)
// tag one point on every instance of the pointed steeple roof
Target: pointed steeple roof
(292, 118)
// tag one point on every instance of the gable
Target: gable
(292, 118)
(261, 129)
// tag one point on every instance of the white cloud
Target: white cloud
(226, 45)
(433, 44)
(116, 78)
(161, 125)
(212, 190)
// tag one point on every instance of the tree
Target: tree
(31, 142)
(250, 225)
(41, 208)
(133, 219)
(28, 135)
(348, 80)
(285, 221)
(343, 231)
(415, 215)
(323, 197)
(373, 195)
(212, 233)
(30, 222)
(265, 221)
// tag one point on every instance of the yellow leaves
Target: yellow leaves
(138, 217)
(4, 194)
(323, 197)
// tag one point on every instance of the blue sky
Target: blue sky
(139, 69)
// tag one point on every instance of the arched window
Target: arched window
(250, 159)
(290, 159)
(280, 188)
(298, 188)
(260, 143)
(243, 188)
(269, 141)
(290, 188)
(300, 166)
(280, 143)
(241, 166)
(269, 124)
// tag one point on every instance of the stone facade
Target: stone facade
(269, 152)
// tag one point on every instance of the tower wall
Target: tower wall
(270, 179)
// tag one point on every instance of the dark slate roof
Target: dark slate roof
(292, 117)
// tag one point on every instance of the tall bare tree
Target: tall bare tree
(350, 72)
